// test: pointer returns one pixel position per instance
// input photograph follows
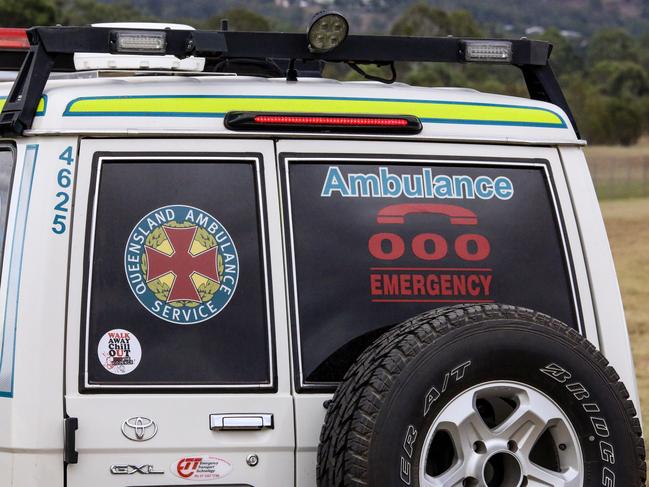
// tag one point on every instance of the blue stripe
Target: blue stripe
(38, 113)
(15, 273)
(68, 113)
(146, 114)
(222, 115)
(489, 122)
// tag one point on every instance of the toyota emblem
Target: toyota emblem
(139, 428)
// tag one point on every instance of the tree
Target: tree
(612, 45)
(564, 57)
(435, 75)
(620, 79)
(240, 19)
(422, 20)
(84, 12)
(624, 121)
(603, 119)
(27, 13)
(643, 43)
(462, 24)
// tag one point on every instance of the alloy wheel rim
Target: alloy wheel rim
(501, 434)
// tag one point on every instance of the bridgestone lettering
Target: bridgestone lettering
(600, 426)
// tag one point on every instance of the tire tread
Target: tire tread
(347, 432)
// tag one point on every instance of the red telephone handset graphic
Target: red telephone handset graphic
(468, 247)
(397, 213)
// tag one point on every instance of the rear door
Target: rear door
(378, 232)
(177, 368)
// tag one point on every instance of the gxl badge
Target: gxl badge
(139, 429)
(131, 469)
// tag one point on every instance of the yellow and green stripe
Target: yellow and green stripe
(428, 111)
(40, 109)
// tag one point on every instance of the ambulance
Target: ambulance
(220, 268)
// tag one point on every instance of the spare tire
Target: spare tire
(481, 395)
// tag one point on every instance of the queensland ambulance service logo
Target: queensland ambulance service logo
(181, 264)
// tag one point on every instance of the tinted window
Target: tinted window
(6, 172)
(375, 243)
(177, 290)
(7, 331)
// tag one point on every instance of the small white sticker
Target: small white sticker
(119, 352)
(201, 468)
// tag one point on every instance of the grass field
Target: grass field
(627, 223)
(620, 172)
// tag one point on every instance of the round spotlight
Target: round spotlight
(327, 31)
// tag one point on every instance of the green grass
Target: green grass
(627, 224)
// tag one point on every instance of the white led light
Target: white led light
(327, 31)
(488, 51)
(137, 60)
(144, 42)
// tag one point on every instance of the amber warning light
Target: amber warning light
(303, 122)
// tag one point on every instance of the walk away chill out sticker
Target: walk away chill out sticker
(119, 352)
(181, 264)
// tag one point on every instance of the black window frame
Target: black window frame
(264, 251)
(284, 160)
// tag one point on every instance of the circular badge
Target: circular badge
(119, 352)
(181, 264)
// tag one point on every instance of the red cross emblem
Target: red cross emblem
(182, 264)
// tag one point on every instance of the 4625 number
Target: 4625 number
(62, 197)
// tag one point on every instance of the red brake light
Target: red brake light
(346, 121)
(306, 122)
(11, 38)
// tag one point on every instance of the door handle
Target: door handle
(241, 422)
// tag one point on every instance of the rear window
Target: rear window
(374, 242)
(177, 286)
(7, 338)
(7, 160)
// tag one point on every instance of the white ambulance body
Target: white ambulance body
(171, 281)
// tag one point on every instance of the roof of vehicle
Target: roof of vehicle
(211, 102)
(181, 105)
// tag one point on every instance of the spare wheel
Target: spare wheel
(481, 396)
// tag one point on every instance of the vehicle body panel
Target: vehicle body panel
(50, 293)
(182, 416)
(186, 105)
(34, 409)
(607, 300)
(309, 410)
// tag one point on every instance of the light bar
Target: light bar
(306, 122)
(139, 42)
(13, 38)
(488, 51)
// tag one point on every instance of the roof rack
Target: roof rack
(53, 48)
